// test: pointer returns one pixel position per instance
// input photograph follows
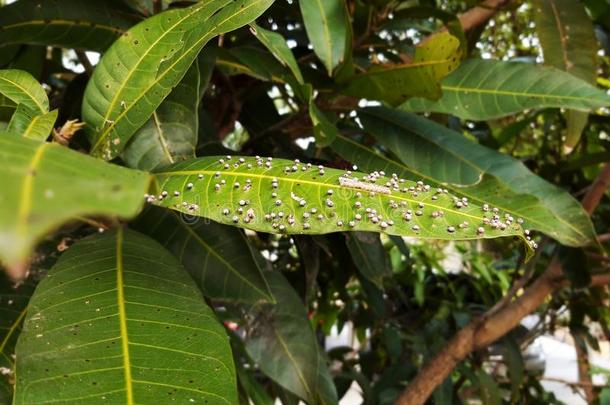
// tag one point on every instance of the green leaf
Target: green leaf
(506, 88)
(369, 256)
(13, 305)
(170, 135)
(45, 185)
(442, 156)
(276, 44)
(281, 196)
(21, 88)
(80, 24)
(515, 365)
(488, 389)
(217, 256)
(324, 130)
(326, 26)
(29, 124)
(568, 42)
(280, 340)
(394, 84)
(118, 320)
(140, 69)
(254, 62)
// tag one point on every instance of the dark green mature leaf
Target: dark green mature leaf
(81, 24)
(217, 256)
(29, 124)
(568, 42)
(324, 130)
(141, 68)
(394, 84)
(170, 135)
(506, 88)
(254, 62)
(119, 320)
(488, 389)
(21, 88)
(44, 185)
(276, 44)
(326, 26)
(369, 256)
(439, 155)
(13, 304)
(280, 340)
(281, 196)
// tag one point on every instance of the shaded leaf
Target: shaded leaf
(369, 256)
(326, 25)
(45, 185)
(394, 84)
(568, 42)
(119, 320)
(277, 45)
(324, 130)
(506, 88)
(217, 256)
(140, 69)
(170, 135)
(281, 196)
(80, 24)
(29, 124)
(442, 156)
(13, 304)
(488, 389)
(280, 340)
(253, 62)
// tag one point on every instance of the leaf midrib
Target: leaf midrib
(462, 89)
(123, 318)
(41, 107)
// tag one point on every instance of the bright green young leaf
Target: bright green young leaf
(394, 84)
(61, 23)
(281, 196)
(276, 44)
(369, 256)
(21, 88)
(217, 256)
(568, 42)
(45, 185)
(326, 26)
(441, 156)
(285, 348)
(170, 135)
(29, 124)
(13, 304)
(141, 68)
(119, 320)
(506, 88)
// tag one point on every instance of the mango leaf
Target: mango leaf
(13, 305)
(119, 320)
(140, 69)
(80, 24)
(170, 135)
(442, 156)
(281, 196)
(506, 88)
(324, 130)
(21, 88)
(568, 42)
(488, 389)
(369, 256)
(326, 26)
(218, 257)
(280, 340)
(254, 62)
(394, 84)
(276, 44)
(27, 123)
(44, 185)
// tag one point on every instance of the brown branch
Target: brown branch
(488, 328)
(582, 360)
(481, 14)
(84, 60)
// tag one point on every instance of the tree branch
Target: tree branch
(481, 14)
(488, 328)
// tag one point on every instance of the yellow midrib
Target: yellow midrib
(41, 107)
(123, 317)
(462, 89)
(313, 183)
(26, 191)
(12, 330)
